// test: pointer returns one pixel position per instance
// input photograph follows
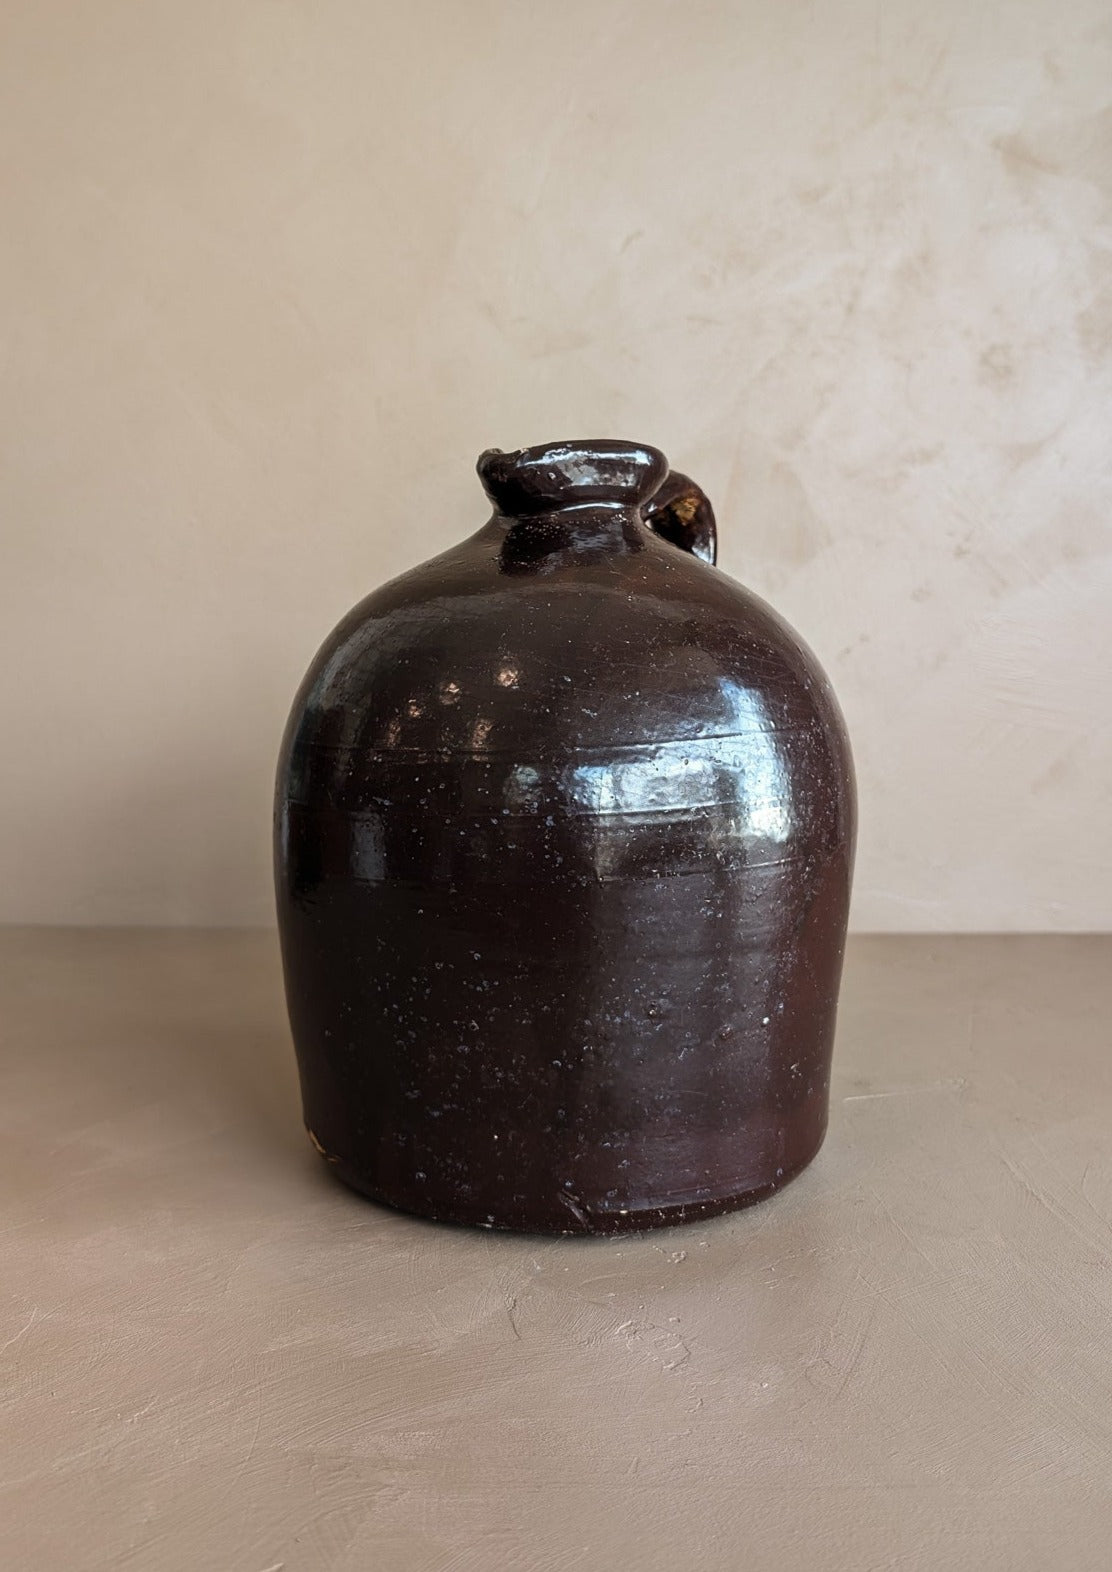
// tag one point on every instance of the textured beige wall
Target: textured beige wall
(274, 272)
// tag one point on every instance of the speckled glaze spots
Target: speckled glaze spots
(564, 838)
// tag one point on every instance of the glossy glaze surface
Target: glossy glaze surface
(564, 837)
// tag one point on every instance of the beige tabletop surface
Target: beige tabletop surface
(214, 1357)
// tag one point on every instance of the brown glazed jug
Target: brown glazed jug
(564, 837)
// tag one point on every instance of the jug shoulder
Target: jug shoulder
(457, 656)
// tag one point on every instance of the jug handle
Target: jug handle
(680, 512)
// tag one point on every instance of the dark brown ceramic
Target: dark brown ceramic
(565, 824)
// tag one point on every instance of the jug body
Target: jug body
(564, 839)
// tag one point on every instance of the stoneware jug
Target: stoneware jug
(564, 837)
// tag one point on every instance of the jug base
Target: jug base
(582, 1220)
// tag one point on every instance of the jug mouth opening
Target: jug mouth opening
(554, 475)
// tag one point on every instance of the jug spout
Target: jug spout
(601, 476)
(571, 475)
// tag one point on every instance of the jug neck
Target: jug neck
(577, 498)
(592, 497)
(577, 532)
(598, 474)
